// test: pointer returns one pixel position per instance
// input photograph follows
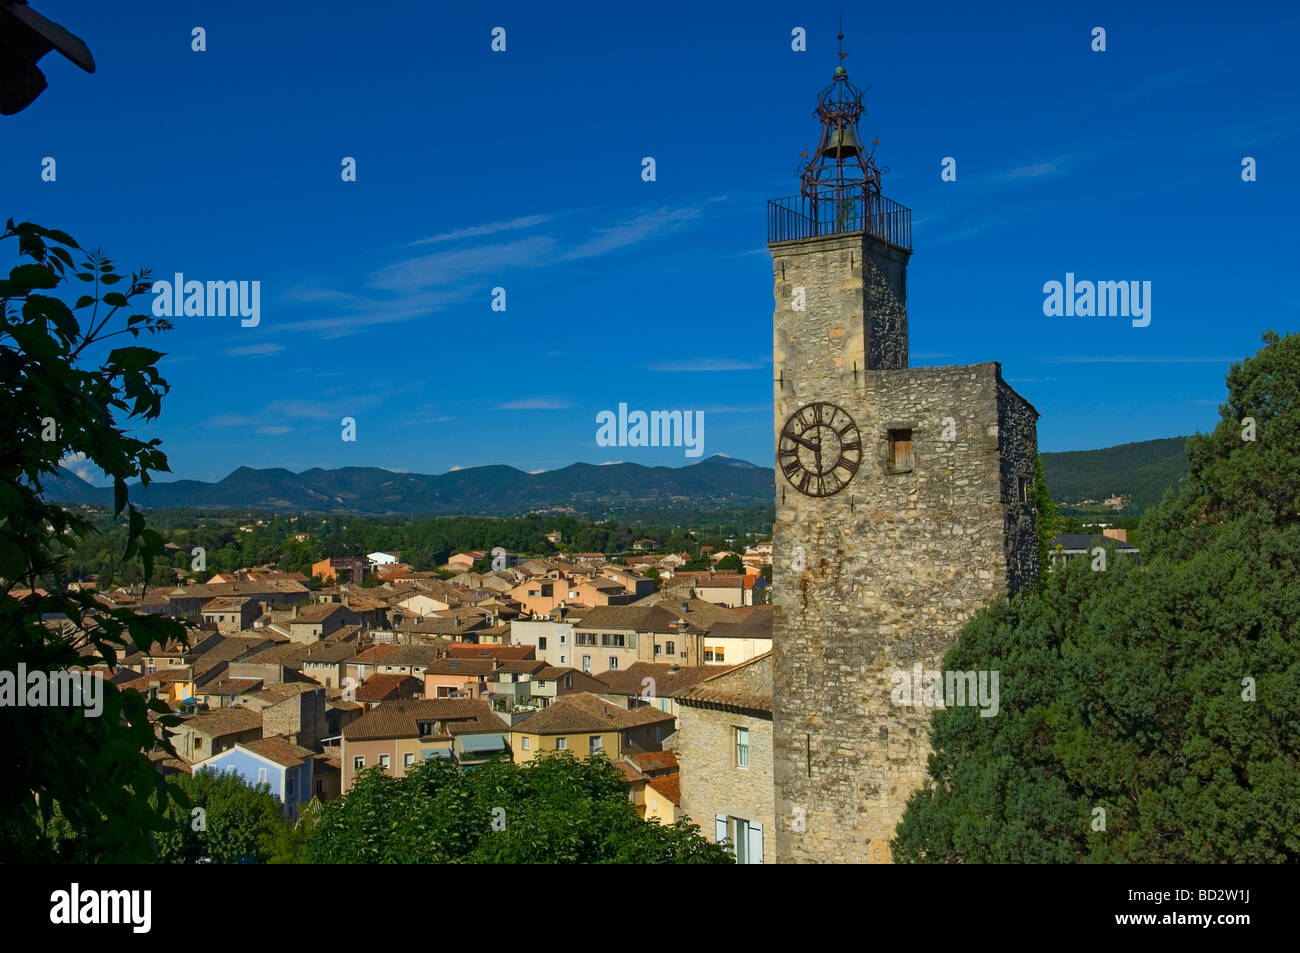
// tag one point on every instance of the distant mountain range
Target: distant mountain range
(712, 484)
(1141, 471)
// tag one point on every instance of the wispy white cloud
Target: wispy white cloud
(633, 231)
(265, 349)
(535, 403)
(970, 231)
(448, 267)
(278, 413)
(1036, 170)
(737, 409)
(1181, 78)
(77, 463)
(705, 364)
(311, 294)
(422, 421)
(422, 284)
(491, 228)
(1124, 359)
(274, 431)
(378, 312)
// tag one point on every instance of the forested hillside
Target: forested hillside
(1140, 471)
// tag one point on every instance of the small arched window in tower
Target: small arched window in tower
(900, 451)
(1022, 489)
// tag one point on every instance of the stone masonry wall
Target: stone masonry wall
(711, 784)
(1018, 447)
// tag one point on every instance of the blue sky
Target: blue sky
(522, 170)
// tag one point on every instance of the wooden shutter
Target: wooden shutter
(900, 451)
(755, 852)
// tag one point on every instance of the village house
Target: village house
(221, 692)
(556, 681)
(552, 641)
(378, 689)
(295, 710)
(171, 655)
(231, 614)
(457, 677)
(464, 562)
(728, 643)
(653, 787)
(188, 601)
(326, 662)
(1069, 546)
(613, 637)
(316, 622)
(584, 725)
(409, 660)
(277, 762)
(199, 737)
(724, 749)
(652, 683)
(281, 663)
(351, 569)
(397, 735)
(728, 589)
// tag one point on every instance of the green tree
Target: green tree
(93, 772)
(221, 817)
(730, 563)
(1047, 518)
(555, 809)
(1147, 714)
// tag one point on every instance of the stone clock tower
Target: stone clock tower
(901, 502)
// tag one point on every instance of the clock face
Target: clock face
(820, 449)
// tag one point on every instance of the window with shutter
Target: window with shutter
(719, 828)
(900, 451)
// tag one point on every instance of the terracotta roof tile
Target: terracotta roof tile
(280, 750)
(669, 786)
(401, 719)
(583, 711)
(224, 721)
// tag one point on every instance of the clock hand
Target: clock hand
(806, 443)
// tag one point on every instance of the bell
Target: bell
(841, 144)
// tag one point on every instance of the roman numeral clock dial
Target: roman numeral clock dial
(820, 449)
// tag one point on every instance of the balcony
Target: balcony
(799, 217)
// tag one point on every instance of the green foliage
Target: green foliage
(74, 788)
(1127, 690)
(555, 809)
(240, 822)
(1047, 518)
(729, 563)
